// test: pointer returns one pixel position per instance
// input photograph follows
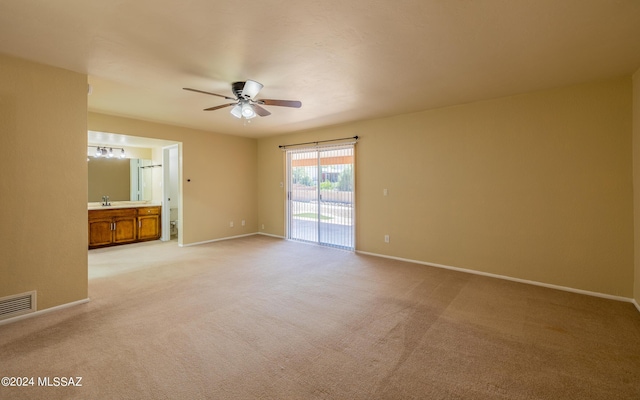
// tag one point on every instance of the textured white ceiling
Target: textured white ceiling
(345, 60)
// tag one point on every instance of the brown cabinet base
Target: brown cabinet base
(123, 225)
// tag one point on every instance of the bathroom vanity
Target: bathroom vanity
(122, 223)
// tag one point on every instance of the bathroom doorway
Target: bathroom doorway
(164, 154)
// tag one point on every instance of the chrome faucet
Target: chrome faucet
(105, 201)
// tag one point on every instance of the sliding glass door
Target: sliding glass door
(320, 201)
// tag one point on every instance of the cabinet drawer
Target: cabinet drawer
(118, 212)
(149, 211)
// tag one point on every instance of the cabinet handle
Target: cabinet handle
(139, 224)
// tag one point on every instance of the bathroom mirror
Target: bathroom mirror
(122, 179)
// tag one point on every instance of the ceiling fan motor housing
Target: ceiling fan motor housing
(237, 88)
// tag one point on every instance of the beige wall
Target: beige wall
(636, 180)
(221, 170)
(43, 139)
(536, 186)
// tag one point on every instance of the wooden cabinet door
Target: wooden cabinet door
(108, 227)
(125, 229)
(100, 232)
(148, 227)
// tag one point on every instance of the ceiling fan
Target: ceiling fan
(245, 104)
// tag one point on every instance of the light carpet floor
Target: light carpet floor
(264, 318)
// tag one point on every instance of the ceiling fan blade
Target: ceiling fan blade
(219, 107)
(213, 94)
(251, 88)
(281, 103)
(260, 111)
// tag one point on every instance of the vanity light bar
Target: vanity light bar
(103, 152)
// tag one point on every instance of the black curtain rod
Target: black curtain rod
(319, 141)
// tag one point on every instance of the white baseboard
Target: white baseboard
(45, 311)
(272, 235)
(231, 237)
(635, 303)
(509, 278)
(217, 240)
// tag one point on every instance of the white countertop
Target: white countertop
(122, 204)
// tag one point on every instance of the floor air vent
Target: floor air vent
(12, 306)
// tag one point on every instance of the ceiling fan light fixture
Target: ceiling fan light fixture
(251, 88)
(247, 111)
(236, 111)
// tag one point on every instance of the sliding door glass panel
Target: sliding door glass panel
(335, 216)
(303, 195)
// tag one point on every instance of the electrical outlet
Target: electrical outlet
(386, 238)
(385, 192)
(242, 222)
(262, 226)
(231, 224)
